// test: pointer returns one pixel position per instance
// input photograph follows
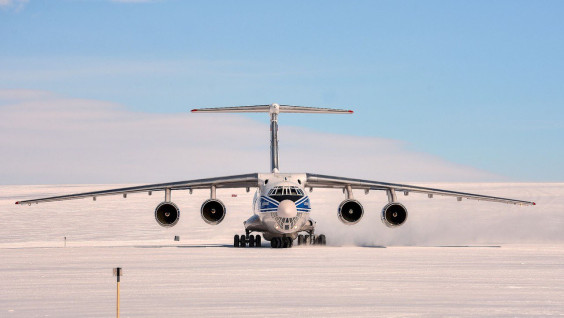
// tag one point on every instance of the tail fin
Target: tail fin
(274, 110)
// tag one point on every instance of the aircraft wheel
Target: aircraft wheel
(306, 240)
(258, 241)
(286, 242)
(236, 240)
(242, 241)
(321, 240)
(251, 240)
(300, 240)
(275, 242)
(289, 242)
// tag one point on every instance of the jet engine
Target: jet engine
(167, 214)
(350, 212)
(394, 214)
(213, 211)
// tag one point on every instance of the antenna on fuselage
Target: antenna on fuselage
(274, 110)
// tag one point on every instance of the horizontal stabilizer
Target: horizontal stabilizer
(235, 109)
(275, 108)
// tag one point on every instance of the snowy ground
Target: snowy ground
(499, 260)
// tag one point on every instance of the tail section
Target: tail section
(274, 110)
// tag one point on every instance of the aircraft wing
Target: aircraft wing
(323, 181)
(238, 181)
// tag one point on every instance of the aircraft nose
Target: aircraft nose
(287, 209)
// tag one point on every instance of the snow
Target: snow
(495, 259)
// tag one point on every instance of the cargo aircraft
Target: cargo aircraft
(281, 204)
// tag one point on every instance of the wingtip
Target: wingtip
(17, 202)
(194, 110)
(351, 111)
(534, 203)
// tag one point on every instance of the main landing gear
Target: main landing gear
(246, 239)
(312, 239)
(281, 242)
(251, 240)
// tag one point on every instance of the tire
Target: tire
(306, 240)
(251, 240)
(300, 240)
(322, 240)
(275, 242)
(258, 242)
(289, 242)
(236, 240)
(286, 242)
(242, 241)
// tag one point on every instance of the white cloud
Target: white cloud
(15, 4)
(24, 94)
(46, 138)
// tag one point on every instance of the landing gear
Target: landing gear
(288, 242)
(312, 239)
(276, 242)
(281, 242)
(321, 240)
(301, 240)
(244, 239)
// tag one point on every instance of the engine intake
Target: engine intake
(167, 214)
(394, 214)
(350, 212)
(213, 211)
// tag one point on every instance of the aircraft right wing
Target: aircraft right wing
(323, 181)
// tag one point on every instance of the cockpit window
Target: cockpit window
(286, 193)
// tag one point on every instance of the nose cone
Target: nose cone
(287, 209)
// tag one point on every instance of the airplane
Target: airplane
(281, 206)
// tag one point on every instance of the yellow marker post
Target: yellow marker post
(117, 272)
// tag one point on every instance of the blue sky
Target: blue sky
(476, 83)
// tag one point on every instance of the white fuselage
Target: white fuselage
(281, 206)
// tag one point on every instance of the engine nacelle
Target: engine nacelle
(350, 212)
(167, 214)
(213, 211)
(394, 214)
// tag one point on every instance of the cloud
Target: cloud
(47, 138)
(13, 4)
(19, 95)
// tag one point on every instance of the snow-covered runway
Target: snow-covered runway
(509, 261)
(217, 281)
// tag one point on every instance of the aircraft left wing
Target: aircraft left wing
(237, 181)
(323, 181)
